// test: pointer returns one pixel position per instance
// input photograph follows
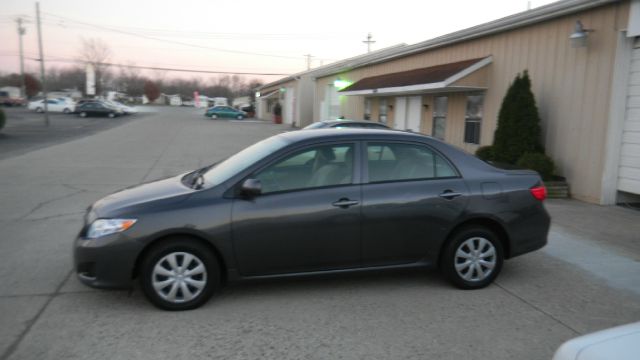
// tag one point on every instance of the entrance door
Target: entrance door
(400, 116)
(414, 113)
(440, 104)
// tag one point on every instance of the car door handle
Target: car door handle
(449, 195)
(345, 203)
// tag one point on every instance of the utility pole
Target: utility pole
(308, 56)
(42, 81)
(369, 42)
(23, 86)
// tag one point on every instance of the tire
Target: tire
(39, 110)
(462, 261)
(240, 117)
(214, 116)
(83, 114)
(156, 270)
(66, 111)
(111, 115)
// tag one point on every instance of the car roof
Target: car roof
(343, 121)
(350, 133)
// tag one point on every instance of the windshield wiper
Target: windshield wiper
(197, 177)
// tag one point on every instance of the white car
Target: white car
(618, 343)
(53, 105)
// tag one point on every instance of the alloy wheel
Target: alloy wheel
(475, 259)
(179, 277)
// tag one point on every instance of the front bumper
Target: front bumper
(107, 262)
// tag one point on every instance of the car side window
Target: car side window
(314, 167)
(400, 161)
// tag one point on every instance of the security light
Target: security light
(580, 35)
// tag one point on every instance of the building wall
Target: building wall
(571, 85)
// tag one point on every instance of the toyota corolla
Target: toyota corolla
(311, 202)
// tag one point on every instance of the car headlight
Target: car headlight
(102, 227)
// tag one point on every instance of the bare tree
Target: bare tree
(96, 52)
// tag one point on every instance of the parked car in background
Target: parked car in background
(124, 108)
(343, 123)
(618, 343)
(309, 202)
(225, 112)
(53, 105)
(10, 99)
(97, 108)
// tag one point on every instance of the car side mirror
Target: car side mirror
(251, 187)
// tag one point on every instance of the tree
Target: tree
(32, 84)
(151, 90)
(518, 131)
(96, 52)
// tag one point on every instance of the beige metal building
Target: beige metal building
(583, 57)
(296, 93)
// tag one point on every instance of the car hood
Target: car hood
(161, 193)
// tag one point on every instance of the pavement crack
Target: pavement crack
(44, 203)
(549, 315)
(14, 346)
(56, 216)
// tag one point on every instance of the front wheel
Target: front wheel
(214, 116)
(111, 115)
(472, 258)
(83, 114)
(39, 110)
(180, 274)
(66, 111)
(239, 117)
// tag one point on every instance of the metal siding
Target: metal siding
(629, 170)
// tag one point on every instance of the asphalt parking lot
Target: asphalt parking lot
(586, 279)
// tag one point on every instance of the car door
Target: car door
(307, 217)
(411, 195)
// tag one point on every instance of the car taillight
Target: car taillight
(539, 192)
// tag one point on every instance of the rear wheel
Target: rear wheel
(83, 114)
(214, 116)
(66, 110)
(240, 117)
(472, 258)
(111, 115)
(180, 274)
(39, 109)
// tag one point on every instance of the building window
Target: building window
(473, 119)
(382, 115)
(440, 105)
(367, 108)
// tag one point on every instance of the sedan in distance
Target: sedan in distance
(225, 112)
(343, 124)
(97, 108)
(311, 202)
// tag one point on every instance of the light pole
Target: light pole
(23, 86)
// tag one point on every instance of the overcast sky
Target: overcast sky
(329, 30)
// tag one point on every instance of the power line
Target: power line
(169, 41)
(162, 68)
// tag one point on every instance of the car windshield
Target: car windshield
(240, 161)
(315, 125)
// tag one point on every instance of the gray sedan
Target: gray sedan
(314, 202)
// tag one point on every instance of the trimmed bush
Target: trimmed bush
(538, 162)
(518, 131)
(485, 153)
(3, 119)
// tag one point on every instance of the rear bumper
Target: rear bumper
(107, 262)
(531, 232)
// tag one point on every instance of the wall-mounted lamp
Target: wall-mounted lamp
(391, 107)
(580, 35)
(257, 94)
(426, 106)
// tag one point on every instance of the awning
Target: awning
(269, 95)
(459, 76)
